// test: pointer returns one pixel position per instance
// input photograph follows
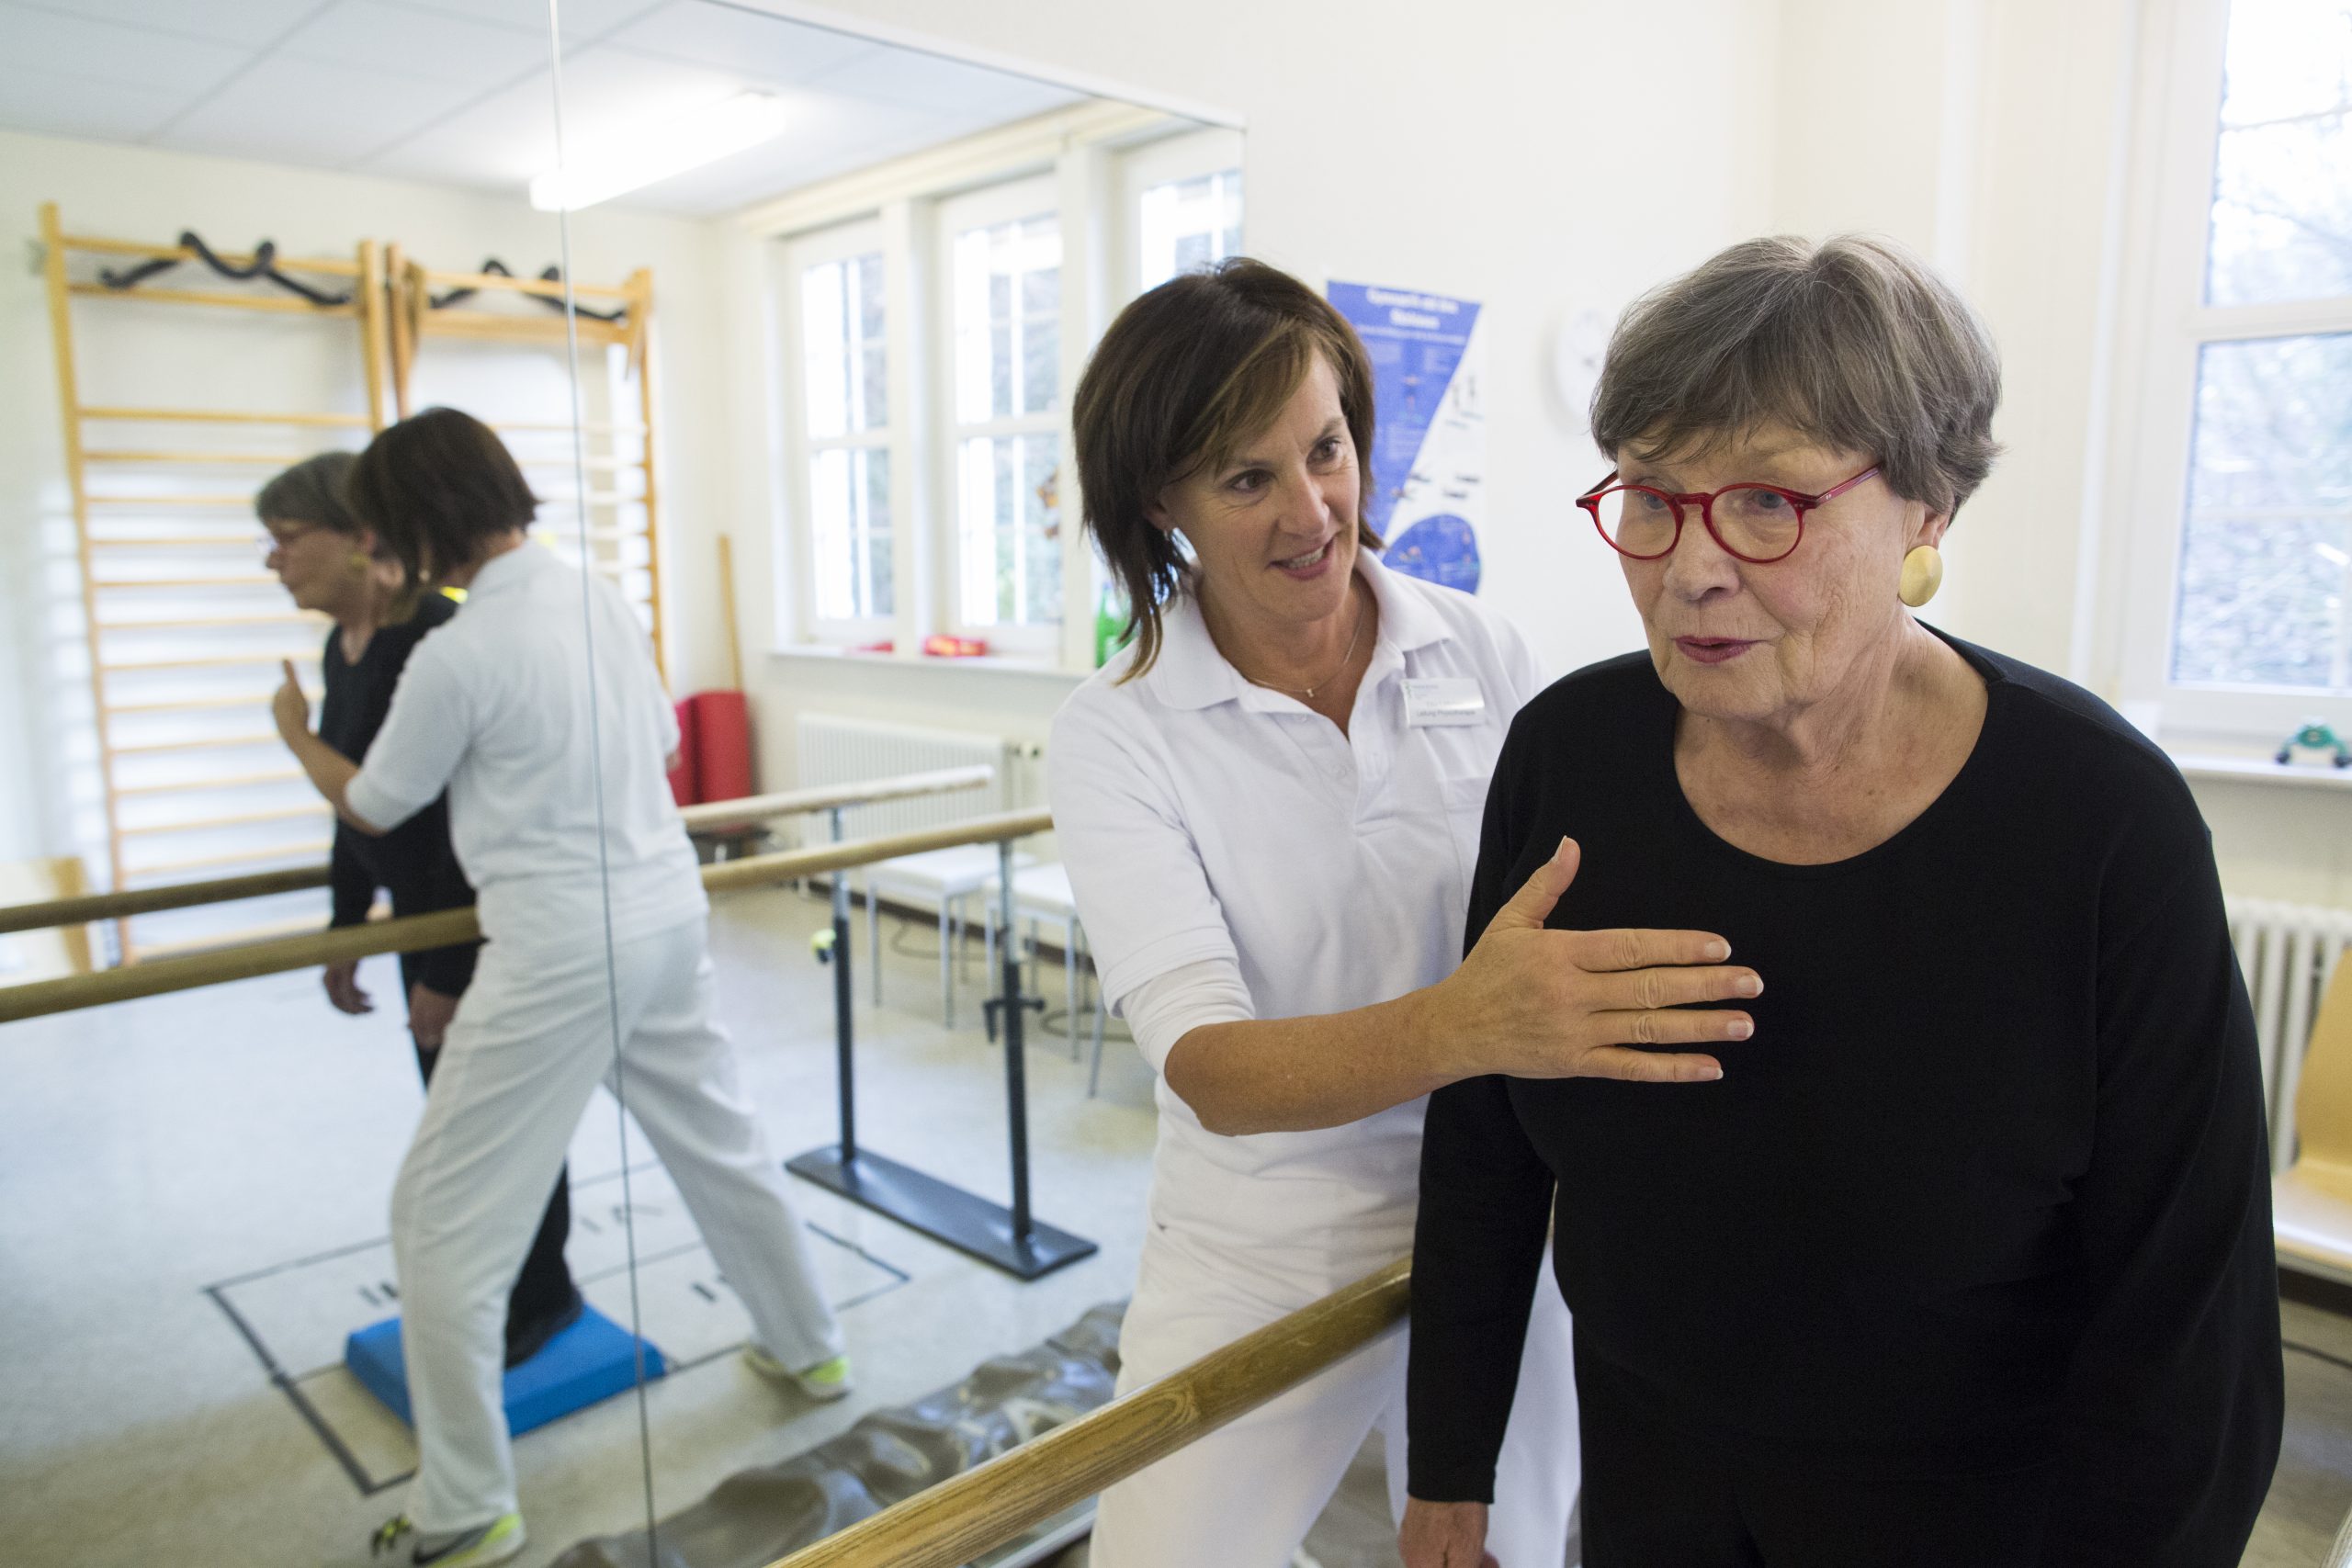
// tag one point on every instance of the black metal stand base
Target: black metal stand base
(964, 1221)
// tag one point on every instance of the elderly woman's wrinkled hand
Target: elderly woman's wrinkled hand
(1534, 1003)
(1445, 1535)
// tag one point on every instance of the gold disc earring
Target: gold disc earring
(1923, 573)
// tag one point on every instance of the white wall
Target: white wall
(1996, 137)
(136, 192)
(1522, 155)
(1491, 149)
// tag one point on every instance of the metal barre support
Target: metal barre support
(1016, 1064)
(1010, 1239)
(844, 1037)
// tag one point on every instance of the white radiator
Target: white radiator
(2288, 952)
(837, 749)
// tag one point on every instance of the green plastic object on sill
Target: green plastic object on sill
(1109, 626)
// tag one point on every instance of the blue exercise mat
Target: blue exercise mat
(593, 1359)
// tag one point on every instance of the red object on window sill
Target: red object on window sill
(944, 647)
(884, 645)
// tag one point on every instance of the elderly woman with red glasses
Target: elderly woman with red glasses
(1966, 1260)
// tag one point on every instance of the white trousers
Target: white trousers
(1245, 1495)
(531, 1039)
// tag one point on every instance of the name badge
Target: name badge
(1438, 702)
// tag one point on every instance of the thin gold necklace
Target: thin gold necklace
(1308, 692)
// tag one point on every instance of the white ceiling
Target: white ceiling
(460, 92)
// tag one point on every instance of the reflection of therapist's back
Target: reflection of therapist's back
(550, 736)
(1237, 856)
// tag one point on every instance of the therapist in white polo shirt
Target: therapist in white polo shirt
(1270, 810)
(550, 734)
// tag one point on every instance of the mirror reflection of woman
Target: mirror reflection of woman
(538, 707)
(326, 560)
(1268, 809)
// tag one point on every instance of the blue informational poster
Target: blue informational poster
(1426, 472)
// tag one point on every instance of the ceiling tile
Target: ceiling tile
(70, 106)
(298, 112)
(582, 20)
(252, 24)
(495, 144)
(610, 94)
(727, 39)
(365, 35)
(948, 86)
(108, 51)
(846, 135)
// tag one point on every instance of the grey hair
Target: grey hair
(1854, 343)
(312, 490)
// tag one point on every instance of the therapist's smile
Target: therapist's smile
(1313, 564)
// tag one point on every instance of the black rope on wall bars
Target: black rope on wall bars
(497, 268)
(264, 265)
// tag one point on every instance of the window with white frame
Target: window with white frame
(843, 452)
(2244, 624)
(1003, 257)
(929, 340)
(1184, 195)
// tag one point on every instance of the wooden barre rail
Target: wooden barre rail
(91, 907)
(447, 927)
(952, 1523)
(261, 884)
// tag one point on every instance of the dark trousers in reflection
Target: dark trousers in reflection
(543, 1293)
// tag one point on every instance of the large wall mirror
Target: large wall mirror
(779, 325)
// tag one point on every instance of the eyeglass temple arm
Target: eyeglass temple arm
(1836, 490)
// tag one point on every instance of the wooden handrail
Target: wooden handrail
(955, 1521)
(825, 797)
(261, 884)
(154, 900)
(444, 928)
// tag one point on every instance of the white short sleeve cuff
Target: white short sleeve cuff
(1168, 1007)
(375, 806)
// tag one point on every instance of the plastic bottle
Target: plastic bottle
(1109, 621)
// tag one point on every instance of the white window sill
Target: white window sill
(2249, 768)
(988, 664)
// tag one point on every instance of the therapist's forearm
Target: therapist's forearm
(1293, 1074)
(329, 773)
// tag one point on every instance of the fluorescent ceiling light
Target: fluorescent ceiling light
(655, 152)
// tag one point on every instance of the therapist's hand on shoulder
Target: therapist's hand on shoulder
(1445, 1535)
(1534, 1003)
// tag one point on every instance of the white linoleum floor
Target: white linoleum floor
(155, 1149)
(155, 1156)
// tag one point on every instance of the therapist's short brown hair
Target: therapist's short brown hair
(1187, 375)
(437, 487)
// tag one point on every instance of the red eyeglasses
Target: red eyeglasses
(1758, 523)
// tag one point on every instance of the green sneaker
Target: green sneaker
(500, 1541)
(824, 1383)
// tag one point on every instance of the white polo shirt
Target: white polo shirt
(496, 706)
(1223, 833)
